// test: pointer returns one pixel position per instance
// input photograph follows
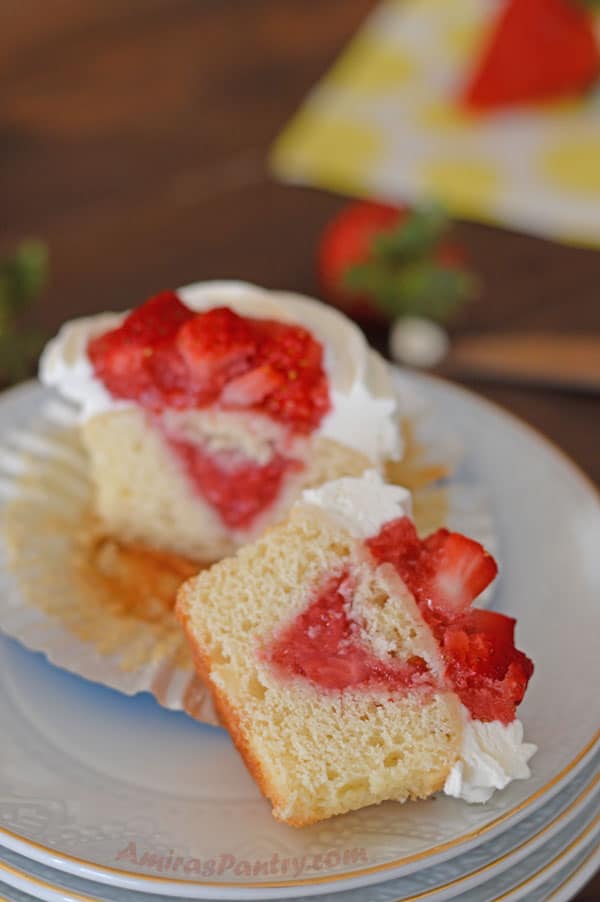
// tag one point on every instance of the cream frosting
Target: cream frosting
(363, 401)
(362, 504)
(492, 756)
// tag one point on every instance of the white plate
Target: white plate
(567, 884)
(535, 881)
(534, 877)
(565, 812)
(85, 772)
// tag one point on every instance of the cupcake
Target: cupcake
(206, 412)
(347, 661)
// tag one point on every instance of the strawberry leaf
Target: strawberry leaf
(416, 236)
(22, 277)
(421, 288)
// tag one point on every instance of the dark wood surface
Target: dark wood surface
(133, 136)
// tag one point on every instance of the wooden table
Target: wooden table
(133, 136)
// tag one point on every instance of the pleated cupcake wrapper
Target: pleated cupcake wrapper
(45, 502)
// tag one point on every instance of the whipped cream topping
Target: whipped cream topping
(362, 504)
(492, 756)
(363, 402)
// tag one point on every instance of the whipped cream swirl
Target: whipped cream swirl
(363, 411)
(492, 755)
(362, 505)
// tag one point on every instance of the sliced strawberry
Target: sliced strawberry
(538, 50)
(447, 571)
(456, 570)
(487, 703)
(157, 319)
(252, 387)
(489, 696)
(500, 627)
(517, 677)
(489, 674)
(170, 377)
(289, 348)
(124, 357)
(300, 404)
(121, 365)
(216, 346)
(488, 650)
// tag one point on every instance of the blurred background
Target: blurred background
(134, 141)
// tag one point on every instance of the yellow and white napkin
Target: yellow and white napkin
(384, 123)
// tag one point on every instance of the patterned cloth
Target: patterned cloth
(384, 123)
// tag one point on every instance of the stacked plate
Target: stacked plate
(113, 798)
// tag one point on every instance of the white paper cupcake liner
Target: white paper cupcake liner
(44, 503)
(49, 595)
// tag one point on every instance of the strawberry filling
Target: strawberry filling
(323, 645)
(237, 488)
(445, 573)
(166, 356)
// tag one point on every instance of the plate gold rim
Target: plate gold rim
(587, 791)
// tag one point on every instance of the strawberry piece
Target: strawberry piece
(456, 571)
(170, 378)
(124, 358)
(539, 50)
(484, 644)
(398, 544)
(217, 346)
(322, 645)
(377, 261)
(156, 320)
(302, 398)
(499, 626)
(288, 347)
(489, 674)
(445, 573)
(252, 387)
(122, 366)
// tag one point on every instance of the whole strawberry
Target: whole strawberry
(380, 262)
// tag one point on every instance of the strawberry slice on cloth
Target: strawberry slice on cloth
(539, 50)
(378, 262)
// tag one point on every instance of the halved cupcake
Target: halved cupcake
(207, 411)
(348, 664)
